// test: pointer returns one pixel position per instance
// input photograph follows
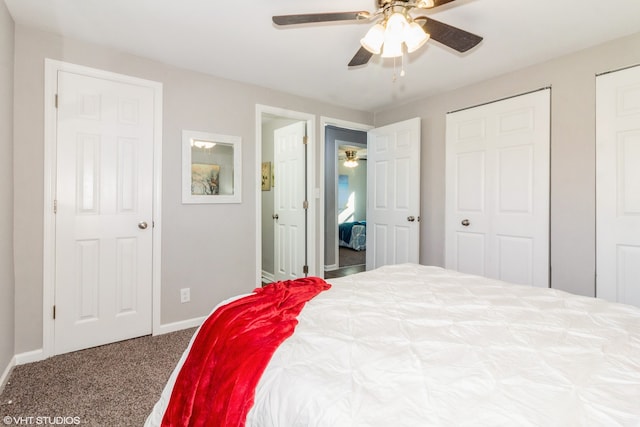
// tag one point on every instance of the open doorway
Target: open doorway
(345, 201)
(284, 226)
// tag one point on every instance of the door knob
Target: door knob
(275, 216)
(411, 218)
(142, 225)
(465, 222)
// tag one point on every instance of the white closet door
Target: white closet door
(618, 186)
(497, 189)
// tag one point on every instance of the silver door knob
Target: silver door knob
(275, 216)
(411, 218)
(465, 222)
(142, 225)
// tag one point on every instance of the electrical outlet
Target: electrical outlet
(185, 295)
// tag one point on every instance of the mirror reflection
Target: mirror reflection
(211, 168)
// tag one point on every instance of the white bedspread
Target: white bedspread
(411, 345)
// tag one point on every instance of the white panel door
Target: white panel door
(104, 212)
(289, 194)
(393, 194)
(497, 190)
(618, 186)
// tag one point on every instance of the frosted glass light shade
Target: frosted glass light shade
(414, 37)
(394, 36)
(374, 38)
(392, 48)
(396, 24)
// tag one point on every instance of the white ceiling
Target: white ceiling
(237, 40)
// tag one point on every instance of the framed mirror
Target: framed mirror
(211, 168)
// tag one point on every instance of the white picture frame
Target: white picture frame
(211, 168)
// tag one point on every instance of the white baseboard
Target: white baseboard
(331, 267)
(30, 356)
(178, 326)
(5, 375)
(38, 355)
(268, 277)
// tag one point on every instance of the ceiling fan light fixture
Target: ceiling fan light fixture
(415, 37)
(351, 159)
(394, 34)
(395, 25)
(374, 38)
(425, 4)
(206, 145)
(392, 49)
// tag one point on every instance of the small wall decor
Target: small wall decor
(266, 176)
(211, 168)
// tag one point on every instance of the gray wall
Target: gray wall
(216, 263)
(219, 263)
(6, 190)
(572, 79)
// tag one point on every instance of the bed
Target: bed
(412, 345)
(353, 235)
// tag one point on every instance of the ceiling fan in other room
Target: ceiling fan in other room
(396, 29)
(350, 155)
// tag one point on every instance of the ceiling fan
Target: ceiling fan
(350, 155)
(396, 28)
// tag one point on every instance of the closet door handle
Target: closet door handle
(411, 218)
(275, 216)
(465, 222)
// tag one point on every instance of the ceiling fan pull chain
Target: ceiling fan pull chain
(402, 65)
(394, 69)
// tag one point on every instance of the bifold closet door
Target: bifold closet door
(497, 189)
(618, 186)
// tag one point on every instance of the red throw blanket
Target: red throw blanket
(216, 384)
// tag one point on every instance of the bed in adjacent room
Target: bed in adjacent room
(353, 235)
(411, 345)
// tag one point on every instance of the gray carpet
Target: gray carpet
(111, 385)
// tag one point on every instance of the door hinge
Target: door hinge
(305, 269)
(305, 204)
(55, 206)
(54, 312)
(56, 100)
(305, 139)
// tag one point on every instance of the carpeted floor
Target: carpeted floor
(111, 385)
(349, 257)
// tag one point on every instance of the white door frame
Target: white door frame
(324, 122)
(52, 67)
(311, 159)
